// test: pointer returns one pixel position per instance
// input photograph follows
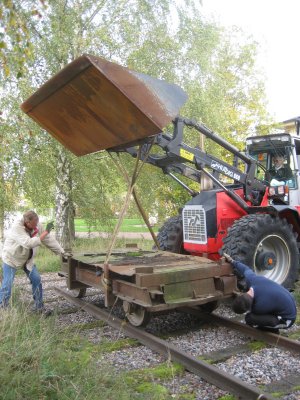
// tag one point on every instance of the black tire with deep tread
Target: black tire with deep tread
(245, 235)
(170, 235)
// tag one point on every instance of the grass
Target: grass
(163, 371)
(143, 380)
(40, 362)
(128, 225)
(256, 345)
(108, 347)
(297, 295)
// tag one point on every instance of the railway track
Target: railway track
(267, 337)
(219, 354)
(206, 371)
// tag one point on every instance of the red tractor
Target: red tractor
(241, 213)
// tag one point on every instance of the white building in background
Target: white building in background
(292, 125)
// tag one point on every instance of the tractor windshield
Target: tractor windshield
(275, 162)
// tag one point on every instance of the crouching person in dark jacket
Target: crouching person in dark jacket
(268, 305)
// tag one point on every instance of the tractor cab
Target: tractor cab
(278, 158)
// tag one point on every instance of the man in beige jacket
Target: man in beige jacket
(18, 252)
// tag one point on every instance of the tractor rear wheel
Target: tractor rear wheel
(266, 244)
(170, 235)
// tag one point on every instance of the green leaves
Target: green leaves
(17, 18)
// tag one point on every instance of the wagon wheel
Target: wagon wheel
(267, 244)
(79, 292)
(209, 307)
(135, 314)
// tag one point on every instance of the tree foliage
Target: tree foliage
(15, 36)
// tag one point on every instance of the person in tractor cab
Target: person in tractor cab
(268, 305)
(18, 253)
(280, 171)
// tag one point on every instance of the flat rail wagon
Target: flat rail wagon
(148, 282)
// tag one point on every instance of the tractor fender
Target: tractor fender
(290, 213)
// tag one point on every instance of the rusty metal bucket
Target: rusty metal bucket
(93, 104)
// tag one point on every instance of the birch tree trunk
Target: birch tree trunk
(2, 206)
(63, 202)
(2, 191)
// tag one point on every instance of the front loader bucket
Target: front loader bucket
(93, 104)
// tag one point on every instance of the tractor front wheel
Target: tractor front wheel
(266, 244)
(170, 236)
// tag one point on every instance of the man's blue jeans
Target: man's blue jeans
(7, 284)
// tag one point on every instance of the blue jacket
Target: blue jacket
(269, 296)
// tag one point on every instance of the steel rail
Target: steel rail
(206, 371)
(268, 337)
